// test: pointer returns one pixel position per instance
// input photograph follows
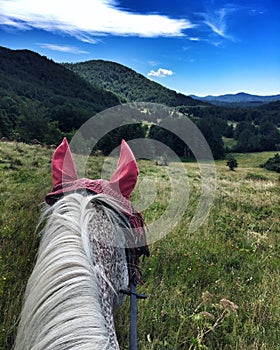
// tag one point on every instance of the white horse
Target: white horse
(82, 261)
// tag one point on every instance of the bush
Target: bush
(231, 162)
(272, 163)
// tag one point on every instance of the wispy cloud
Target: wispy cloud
(86, 18)
(87, 38)
(217, 21)
(62, 48)
(160, 73)
(11, 23)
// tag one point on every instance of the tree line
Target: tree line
(32, 120)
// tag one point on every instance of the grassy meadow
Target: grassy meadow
(216, 288)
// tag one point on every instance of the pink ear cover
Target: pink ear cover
(125, 177)
(64, 174)
(63, 167)
(119, 187)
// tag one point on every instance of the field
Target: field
(216, 288)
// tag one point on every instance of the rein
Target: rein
(133, 312)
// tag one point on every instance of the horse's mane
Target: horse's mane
(62, 291)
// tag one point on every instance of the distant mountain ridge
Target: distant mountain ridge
(238, 98)
(127, 84)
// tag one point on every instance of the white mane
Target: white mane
(62, 308)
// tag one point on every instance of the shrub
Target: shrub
(272, 163)
(231, 162)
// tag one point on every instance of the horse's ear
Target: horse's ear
(63, 167)
(125, 177)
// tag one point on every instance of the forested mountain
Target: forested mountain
(32, 86)
(32, 76)
(129, 85)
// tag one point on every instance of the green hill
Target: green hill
(28, 79)
(129, 85)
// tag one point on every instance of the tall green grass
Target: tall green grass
(23, 183)
(217, 288)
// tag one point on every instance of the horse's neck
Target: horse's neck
(110, 263)
(74, 285)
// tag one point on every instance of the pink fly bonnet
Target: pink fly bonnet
(119, 187)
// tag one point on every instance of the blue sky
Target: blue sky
(196, 47)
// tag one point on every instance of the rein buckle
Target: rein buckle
(129, 292)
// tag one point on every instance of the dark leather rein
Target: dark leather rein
(131, 292)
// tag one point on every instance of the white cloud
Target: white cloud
(160, 73)
(87, 39)
(194, 39)
(85, 18)
(9, 22)
(217, 21)
(61, 48)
